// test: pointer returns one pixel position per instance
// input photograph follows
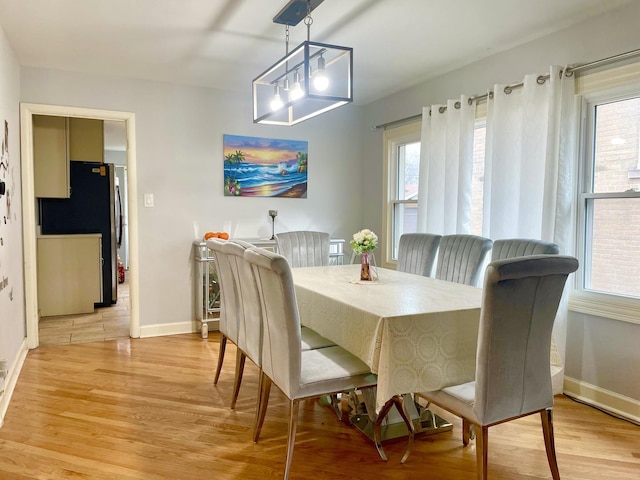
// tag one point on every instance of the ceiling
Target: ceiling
(226, 43)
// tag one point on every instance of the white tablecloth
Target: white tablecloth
(416, 333)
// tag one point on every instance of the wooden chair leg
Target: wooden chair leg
(293, 424)
(240, 359)
(466, 431)
(223, 346)
(482, 444)
(265, 389)
(549, 442)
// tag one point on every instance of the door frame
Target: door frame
(29, 222)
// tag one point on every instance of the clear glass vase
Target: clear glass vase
(365, 267)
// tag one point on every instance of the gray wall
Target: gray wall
(603, 36)
(12, 311)
(179, 159)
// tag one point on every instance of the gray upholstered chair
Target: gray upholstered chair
(298, 374)
(249, 342)
(461, 258)
(520, 247)
(519, 304)
(304, 248)
(229, 301)
(417, 253)
(249, 338)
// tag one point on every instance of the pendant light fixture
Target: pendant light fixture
(311, 79)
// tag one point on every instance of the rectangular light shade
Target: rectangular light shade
(302, 63)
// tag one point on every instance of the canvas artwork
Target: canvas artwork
(265, 167)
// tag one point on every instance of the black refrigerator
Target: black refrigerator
(90, 209)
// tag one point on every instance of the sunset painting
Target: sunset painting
(264, 167)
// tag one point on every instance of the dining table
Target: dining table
(415, 333)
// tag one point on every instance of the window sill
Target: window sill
(625, 309)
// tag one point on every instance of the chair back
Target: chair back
(417, 253)
(229, 300)
(249, 312)
(281, 340)
(461, 258)
(519, 305)
(520, 247)
(304, 248)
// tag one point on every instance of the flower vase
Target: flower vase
(365, 267)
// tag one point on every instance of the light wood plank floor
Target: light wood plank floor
(105, 323)
(147, 409)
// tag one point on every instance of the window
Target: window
(610, 198)
(402, 159)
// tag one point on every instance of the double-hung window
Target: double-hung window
(609, 200)
(402, 160)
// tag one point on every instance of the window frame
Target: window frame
(393, 138)
(582, 300)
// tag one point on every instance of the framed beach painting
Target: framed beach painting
(264, 167)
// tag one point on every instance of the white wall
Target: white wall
(180, 161)
(603, 36)
(12, 311)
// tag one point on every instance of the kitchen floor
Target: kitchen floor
(105, 323)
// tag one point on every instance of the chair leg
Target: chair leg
(240, 359)
(482, 444)
(223, 346)
(466, 431)
(265, 388)
(549, 443)
(293, 424)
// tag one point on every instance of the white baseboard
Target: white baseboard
(615, 403)
(168, 329)
(175, 328)
(11, 379)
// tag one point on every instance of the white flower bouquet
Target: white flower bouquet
(364, 241)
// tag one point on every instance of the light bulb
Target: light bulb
(296, 91)
(320, 79)
(276, 102)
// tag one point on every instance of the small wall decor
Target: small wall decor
(264, 167)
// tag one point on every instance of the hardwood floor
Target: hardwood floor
(147, 409)
(106, 323)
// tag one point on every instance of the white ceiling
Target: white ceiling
(226, 43)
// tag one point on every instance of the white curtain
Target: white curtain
(530, 171)
(446, 167)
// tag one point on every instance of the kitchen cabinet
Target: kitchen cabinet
(51, 156)
(86, 140)
(56, 142)
(69, 273)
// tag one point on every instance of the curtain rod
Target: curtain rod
(541, 79)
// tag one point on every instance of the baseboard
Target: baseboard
(612, 402)
(11, 379)
(160, 330)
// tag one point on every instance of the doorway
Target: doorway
(29, 210)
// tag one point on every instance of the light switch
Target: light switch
(148, 199)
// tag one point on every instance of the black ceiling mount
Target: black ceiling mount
(294, 11)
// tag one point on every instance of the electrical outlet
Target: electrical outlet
(148, 199)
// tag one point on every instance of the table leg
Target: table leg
(398, 401)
